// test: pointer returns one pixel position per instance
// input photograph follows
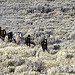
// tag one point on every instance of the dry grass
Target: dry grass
(58, 27)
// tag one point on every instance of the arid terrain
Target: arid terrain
(52, 19)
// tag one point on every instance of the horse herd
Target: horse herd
(17, 38)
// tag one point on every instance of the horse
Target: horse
(2, 33)
(44, 44)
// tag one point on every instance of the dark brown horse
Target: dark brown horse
(27, 40)
(3, 34)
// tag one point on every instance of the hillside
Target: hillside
(54, 19)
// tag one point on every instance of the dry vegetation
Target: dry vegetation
(53, 18)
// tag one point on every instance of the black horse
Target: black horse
(44, 44)
(10, 36)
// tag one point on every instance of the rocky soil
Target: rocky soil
(53, 19)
